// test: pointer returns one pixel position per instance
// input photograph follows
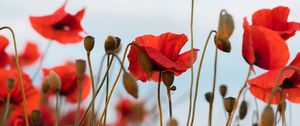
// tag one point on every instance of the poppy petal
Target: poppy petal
(30, 54)
(79, 14)
(293, 94)
(184, 60)
(86, 85)
(264, 94)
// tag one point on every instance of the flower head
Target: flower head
(60, 26)
(163, 52)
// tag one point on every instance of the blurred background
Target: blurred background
(128, 19)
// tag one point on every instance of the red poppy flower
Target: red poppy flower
(264, 47)
(60, 26)
(68, 77)
(163, 50)
(261, 86)
(276, 19)
(3, 55)
(70, 117)
(29, 56)
(17, 118)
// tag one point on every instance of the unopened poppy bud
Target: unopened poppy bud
(172, 122)
(208, 96)
(145, 62)
(229, 104)
(243, 110)
(10, 83)
(89, 42)
(226, 25)
(282, 105)
(173, 88)
(168, 78)
(130, 84)
(54, 81)
(223, 90)
(45, 85)
(267, 117)
(119, 45)
(110, 44)
(223, 44)
(80, 67)
(35, 116)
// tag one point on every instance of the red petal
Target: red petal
(79, 14)
(85, 90)
(184, 60)
(264, 94)
(247, 47)
(30, 55)
(293, 94)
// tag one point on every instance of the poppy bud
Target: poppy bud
(229, 104)
(243, 110)
(89, 42)
(208, 96)
(80, 67)
(119, 46)
(110, 44)
(54, 81)
(173, 88)
(225, 29)
(146, 63)
(130, 84)
(45, 85)
(10, 83)
(168, 78)
(223, 45)
(282, 105)
(35, 116)
(223, 90)
(267, 117)
(172, 122)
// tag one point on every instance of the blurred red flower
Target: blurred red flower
(60, 26)
(262, 85)
(70, 117)
(3, 55)
(276, 20)
(264, 47)
(69, 86)
(163, 50)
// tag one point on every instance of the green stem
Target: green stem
(79, 83)
(198, 80)
(106, 94)
(211, 102)
(93, 88)
(41, 61)
(158, 99)
(19, 74)
(170, 101)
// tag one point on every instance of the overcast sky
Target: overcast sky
(131, 18)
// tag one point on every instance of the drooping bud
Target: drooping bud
(130, 84)
(35, 116)
(89, 42)
(229, 104)
(10, 83)
(110, 44)
(80, 67)
(145, 62)
(208, 96)
(243, 110)
(168, 78)
(225, 30)
(267, 117)
(119, 45)
(172, 122)
(45, 85)
(54, 81)
(173, 88)
(223, 90)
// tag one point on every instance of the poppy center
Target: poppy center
(286, 84)
(61, 26)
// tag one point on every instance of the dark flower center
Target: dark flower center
(287, 84)
(61, 26)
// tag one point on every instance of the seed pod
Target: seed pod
(267, 117)
(80, 67)
(45, 85)
(172, 122)
(173, 88)
(208, 96)
(229, 104)
(89, 42)
(243, 110)
(54, 81)
(130, 84)
(119, 45)
(145, 62)
(223, 90)
(168, 78)
(10, 83)
(35, 116)
(110, 44)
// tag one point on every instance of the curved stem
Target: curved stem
(42, 61)
(93, 88)
(19, 74)
(197, 80)
(211, 102)
(238, 97)
(158, 100)
(107, 88)
(170, 101)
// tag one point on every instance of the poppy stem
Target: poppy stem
(6, 110)
(238, 97)
(42, 61)
(192, 67)
(19, 74)
(107, 89)
(57, 108)
(211, 102)
(197, 81)
(79, 84)
(170, 101)
(257, 110)
(93, 88)
(158, 99)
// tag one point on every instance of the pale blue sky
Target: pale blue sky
(130, 18)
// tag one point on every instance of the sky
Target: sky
(128, 19)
